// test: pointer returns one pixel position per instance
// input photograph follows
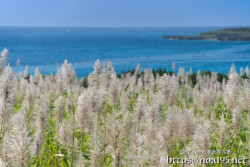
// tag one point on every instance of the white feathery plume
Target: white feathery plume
(169, 88)
(222, 135)
(40, 123)
(42, 115)
(138, 154)
(140, 110)
(2, 163)
(65, 134)
(140, 84)
(202, 99)
(137, 71)
(124, 102)
(153, 120)
(173, 122)
(247, 71)
(163, 139)
(173, 66)
(59, 110)
(232, 69)
(20, 141)
(28, 99)
(96, 147)
(82, 115)
(95, 77)
(37, 143)
(4, 55)
(115, 142)
(236, 112)
(160, 159)
(23, 84)
(149, 79)
(6, 149)
(26, 72)
(190, 71)
(6, 96)
(248, 144)
(202, 136)
(188, 154)
(95, 100)
(113, 90)
(37, 75)
(241, 71)
(68, 74)
(181, 75)
(18, 62)
(245, 95)
(187, 124)
(127, 124)
(232, 90)
(107, 71)
(59, 82)
(31, 79)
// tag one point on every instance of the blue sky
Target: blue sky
(125, 13)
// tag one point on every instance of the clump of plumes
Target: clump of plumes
(202, 136)
(137, 118)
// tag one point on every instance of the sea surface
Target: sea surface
(124, 47)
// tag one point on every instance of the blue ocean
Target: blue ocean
(124, 47)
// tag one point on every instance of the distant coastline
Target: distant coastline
(228, 34)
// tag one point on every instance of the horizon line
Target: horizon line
(24, 26)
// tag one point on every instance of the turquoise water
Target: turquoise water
(124, 47)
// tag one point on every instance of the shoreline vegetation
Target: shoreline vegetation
(228, 34)
(132, 119)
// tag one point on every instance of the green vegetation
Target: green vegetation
(229, 34)
(135, 119)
